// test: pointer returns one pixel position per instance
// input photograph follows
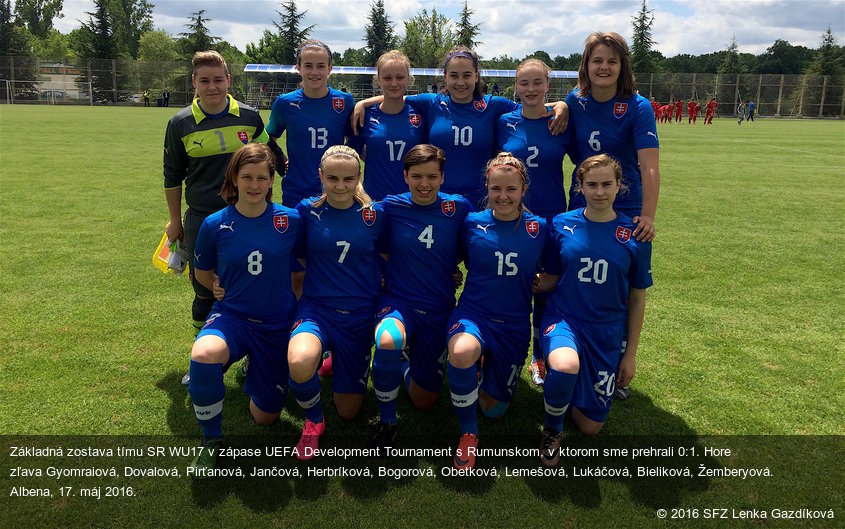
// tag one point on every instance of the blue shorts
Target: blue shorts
(599, 350)
(266, 344)
(426, 340)
(504, 346)
(348, 335)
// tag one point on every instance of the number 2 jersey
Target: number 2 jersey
(619, 128)
(252, 258)
(422, 242)
(501, 260)
(312, 125)
(598, 264)
(341, 248)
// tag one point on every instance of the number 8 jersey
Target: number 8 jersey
(251, 256)
(598, 264)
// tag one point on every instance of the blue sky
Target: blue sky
(518, 28)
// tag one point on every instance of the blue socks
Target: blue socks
(207, 392)
(387, 377)
(307, 394)
(463, 385)
(557, 393)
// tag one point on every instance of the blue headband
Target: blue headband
(314, 45)
(464, 54)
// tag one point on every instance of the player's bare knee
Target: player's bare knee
(463, 353)
(261, 417)
(490, 407)
(348, 406)
(564, 360)
(421, 399)
(210, 350)
(586, 425)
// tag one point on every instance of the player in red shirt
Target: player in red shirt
(692, 111)
(679, 110)
(709, 111)
(666, 113)
(655, 107)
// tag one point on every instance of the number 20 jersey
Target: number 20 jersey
(598, 264)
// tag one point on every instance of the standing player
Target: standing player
(599, 273)
(655, 107)
(751, 107)
(740, 112)
(243, 252)
(315, 118)
(710, 111)
(461, 121)
(525, 134)
(390, 129)
(342, 231)
(692, 111)
(679, 110)
(198, 143)
(503, 247)
(609, 118)
(422, 238)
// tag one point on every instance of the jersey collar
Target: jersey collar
(199, 115)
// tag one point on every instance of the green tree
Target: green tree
(829, 59)
(37, 15)
(130, 20)
(96, 42)
(570, 63)
(541, 55)
(7, 27)
(380, 36)
(466, 31)
(55, 48)
(355, 57)
(280, 47)
(198, 38)
(642, 59)
(270, 49)
(784, 58)
(427, 39)
(502, 62)
(730, 63)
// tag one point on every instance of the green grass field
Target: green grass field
(743, 337)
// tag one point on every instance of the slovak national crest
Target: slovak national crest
(623, 234)
(533, 228)
(369, 216)
(619, 109)
(243, 136)
(280, 222)
(448, 207)
(338, 104)
(415, 120)
(479, 105)
(549, 329)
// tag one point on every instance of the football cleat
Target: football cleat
(186, 379)
(549, 447)
(622, 392)
(310, 439)
(464, 457)
(326, 369)
(206, 459)
(538, 371)
(240, 374)
(384, 436)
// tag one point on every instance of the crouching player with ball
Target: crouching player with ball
(598, 272)
(243, 256)
(503, 247)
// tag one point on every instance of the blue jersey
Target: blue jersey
(465, 133)
(312, 125)
(598, 264)
(342, 268)
(501, 259)
(422, 247)
(387, 138)
(531, 141)
(252, 258)
(619, 128)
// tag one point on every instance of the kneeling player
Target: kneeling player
(503, 247)
(243, 256)
(599, 272)
(422, 241)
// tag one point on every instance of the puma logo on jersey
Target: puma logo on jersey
(312, 212)
(229, 227)
(291, 103)
(650, 133)
(482, 228)
(374, 120)
(511, 125)
(603, 400)
(570, 230)
(444, 103)
(583, 103)
(199, 143)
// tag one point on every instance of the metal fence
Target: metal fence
(124, 81)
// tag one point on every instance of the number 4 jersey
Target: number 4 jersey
(251, 255)
(598, 264)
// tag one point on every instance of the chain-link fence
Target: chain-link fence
(125, 81)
